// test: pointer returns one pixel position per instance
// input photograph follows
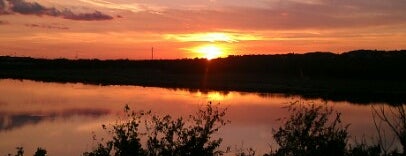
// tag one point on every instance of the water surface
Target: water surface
(61, 117)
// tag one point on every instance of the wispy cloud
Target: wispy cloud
(34, 8)
(54, 26)
(211, 37)
(134, 7)
(292, 15)
(110, 5)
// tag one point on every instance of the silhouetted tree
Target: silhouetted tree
(311, 131)
(363, 149)
(20, 151)
(245, 152)
(40, 152)
(165, 136)
(395, 118)
(125, 137)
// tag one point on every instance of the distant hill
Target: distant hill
(369, 74)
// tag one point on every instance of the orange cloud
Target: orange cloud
(212, 37)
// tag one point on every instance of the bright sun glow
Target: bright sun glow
(210, 51)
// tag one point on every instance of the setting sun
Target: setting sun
(210, 51)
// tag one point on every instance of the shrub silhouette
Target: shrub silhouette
(165, 135)
(20, 151)
(125, 137)
(310, 130)
(362, 149)
(395, 118)
(40, 152)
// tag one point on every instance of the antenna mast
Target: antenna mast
(152, 53)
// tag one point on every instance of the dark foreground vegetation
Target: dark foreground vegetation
(361, 76)
(309, 130)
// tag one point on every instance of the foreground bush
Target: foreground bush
(165, 135)
(311, 130)
(20, 152)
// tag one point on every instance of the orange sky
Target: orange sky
(110, 29)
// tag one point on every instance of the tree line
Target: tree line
(362, 76)
(368, 64)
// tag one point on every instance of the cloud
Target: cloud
(34, 8)
(96, 15)
(289, 15)
(3, 22)
(106, 4)
(3, 7)
(9, 121)
(23, 7)
(294, 15)
(133, 7)
(46, 26)
(212, 37)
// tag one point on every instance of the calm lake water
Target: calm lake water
(61, 117)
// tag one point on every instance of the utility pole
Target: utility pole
(152, 53)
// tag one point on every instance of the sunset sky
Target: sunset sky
(112, 29)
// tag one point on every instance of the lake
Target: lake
(62, 117)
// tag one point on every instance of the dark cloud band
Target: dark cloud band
(46, 26)
(34, 8)
(97, 15)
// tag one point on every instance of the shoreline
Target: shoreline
(360, 77)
